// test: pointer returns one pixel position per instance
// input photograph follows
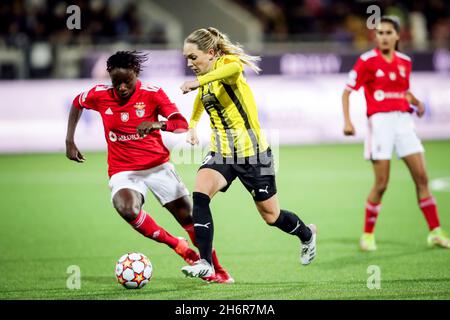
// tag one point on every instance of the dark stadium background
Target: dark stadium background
(56, 213)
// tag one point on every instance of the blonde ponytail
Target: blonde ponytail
(211, 38)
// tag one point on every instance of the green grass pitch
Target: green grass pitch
(56, 213)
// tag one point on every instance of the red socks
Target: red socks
(427, 205)
(215, 261)
(372, 210)
(429, 209)
(190, 230)
(148, 227)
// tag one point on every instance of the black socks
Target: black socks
(290, 223)
(203, 225)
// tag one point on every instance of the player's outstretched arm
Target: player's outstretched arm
(228, 70)
(176, 123)
(146, 127)
(72, 151)
(349, 130)
(189, 86)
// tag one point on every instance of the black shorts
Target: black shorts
(257, 173)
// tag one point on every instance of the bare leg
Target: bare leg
(286, 221)
(269, 209)
(381, 169)
(416, 165)
(181, 209)
(128, 203)
(291, 224)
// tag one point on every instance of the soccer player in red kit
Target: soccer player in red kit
(384, 73)
(137, 157)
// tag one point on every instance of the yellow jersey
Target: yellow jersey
(229, 102)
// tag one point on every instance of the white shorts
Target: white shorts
(163, 182)
(389, 130)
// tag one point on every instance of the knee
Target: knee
(381, 186)
(381, 189)
(422, 181)
(269, 217)
(209, 182)
(206, 190)
(128, 210)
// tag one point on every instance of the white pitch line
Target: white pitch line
(440, 184)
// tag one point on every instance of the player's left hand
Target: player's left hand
(146, 127)
(189, 86)
(420, 109)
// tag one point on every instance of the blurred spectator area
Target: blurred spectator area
(101, 20)
(424, 23)
(35, 39)
(36, 43)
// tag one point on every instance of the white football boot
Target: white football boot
(201, 268)
(308, 249)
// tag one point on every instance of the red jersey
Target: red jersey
(385, 83)
(127, 151)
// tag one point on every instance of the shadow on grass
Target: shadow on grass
(386, 295)
(194, 289)
(392, 250)
(52, 259)
(106, 287)
(355, 242)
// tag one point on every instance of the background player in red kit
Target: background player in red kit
(384, 73)
(137, 157)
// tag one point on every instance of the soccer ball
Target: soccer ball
(133, 270)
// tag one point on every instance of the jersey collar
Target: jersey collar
(380, 55)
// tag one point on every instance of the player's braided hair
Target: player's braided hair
(211, 38)
(395, 22)
(127, 60)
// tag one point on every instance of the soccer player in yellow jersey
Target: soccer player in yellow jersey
(238, 146)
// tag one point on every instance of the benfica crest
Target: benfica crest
(402, 71)
(140, 109)
(124, 116)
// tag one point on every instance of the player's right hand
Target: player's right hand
(192, 137)
(420, 109)
(349, 130)
(189, 86)
(73, 153)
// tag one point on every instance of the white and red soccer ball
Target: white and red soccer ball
(133, 270)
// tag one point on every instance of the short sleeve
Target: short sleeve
(166, 108)
(358, 75)
(87, 99)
